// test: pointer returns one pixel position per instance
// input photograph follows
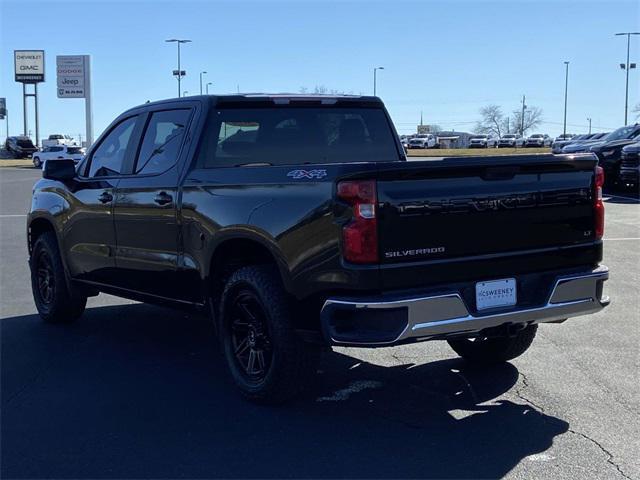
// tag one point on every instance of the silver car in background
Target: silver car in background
(561, 141)
(538, 140)
(584, 144)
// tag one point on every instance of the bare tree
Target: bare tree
(532, 118)
(492, 121)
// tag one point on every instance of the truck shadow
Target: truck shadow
(139, 391)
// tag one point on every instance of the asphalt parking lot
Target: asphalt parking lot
(134, 391)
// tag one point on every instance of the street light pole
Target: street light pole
(201, 73)
(589, 125)
(374, 78)
(178, 73)
(566, 86)
(627, 66)
(209, 83)
(524, 106)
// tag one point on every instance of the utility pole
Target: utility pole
(566, 87)
(420, 117)
(627, 67)
(524, 106)
(589, 125)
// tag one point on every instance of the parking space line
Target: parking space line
(623, 238)
(11, 216)
(620, 196)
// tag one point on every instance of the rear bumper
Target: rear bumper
(380, 322)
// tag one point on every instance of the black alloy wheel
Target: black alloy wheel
(250, 337)
(45, 277)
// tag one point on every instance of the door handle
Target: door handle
(106, 197)
(163, 198)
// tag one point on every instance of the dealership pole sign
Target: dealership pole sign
(29, 69)
(29, 66)
(73, 77)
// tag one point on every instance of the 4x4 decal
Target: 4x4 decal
(301, 174)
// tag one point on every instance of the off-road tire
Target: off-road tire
(494, 349)
(293, 362)
(58, 302)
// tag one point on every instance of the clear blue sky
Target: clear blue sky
(445, 58)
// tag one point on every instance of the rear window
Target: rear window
(74, 150)
(296, 135)
(25, 143)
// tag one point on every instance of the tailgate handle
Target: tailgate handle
(500, 173)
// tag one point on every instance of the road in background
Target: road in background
(133, 390)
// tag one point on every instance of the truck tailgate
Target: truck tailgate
(452, 209)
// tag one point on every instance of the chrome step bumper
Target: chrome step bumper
(448, 315)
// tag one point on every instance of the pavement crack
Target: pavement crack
(604, 450)
(521, 396)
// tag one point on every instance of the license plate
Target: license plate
(497, 293)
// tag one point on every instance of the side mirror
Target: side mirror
(59, 170)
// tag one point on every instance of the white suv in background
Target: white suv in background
(423, 141)
(513, 140)
(58, 152)
(483, 141)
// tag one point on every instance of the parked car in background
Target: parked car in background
(562, 140)
(479, 141)
(20, 146)
(609, 152)
(404, 140)
(538, 140)
(565, 136)
(630, 166)
(513, 140)
(584, 144)
(58, 152)
(423, 141)
(58, 139)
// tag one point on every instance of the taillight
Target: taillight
(360, 235)
(598, 205)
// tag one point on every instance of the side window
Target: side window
(108, 158)
(162, 140)
(56, 149)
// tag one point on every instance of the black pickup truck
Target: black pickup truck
(297, 223)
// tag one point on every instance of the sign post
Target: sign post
(29, 68)
(74, 81)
